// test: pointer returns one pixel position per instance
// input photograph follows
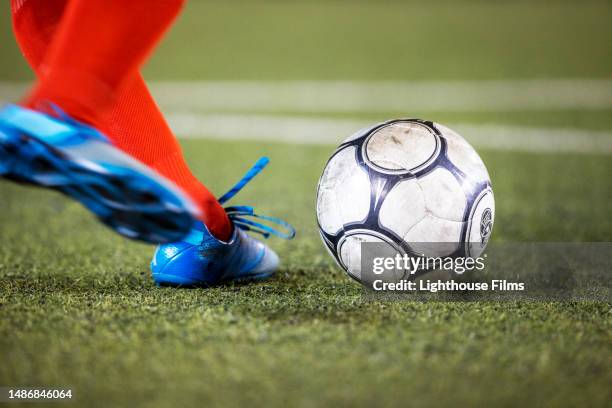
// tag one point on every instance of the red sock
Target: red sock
(109, 96)
(136, 125)
(98, 45)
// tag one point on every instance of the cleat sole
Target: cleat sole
(131, 203)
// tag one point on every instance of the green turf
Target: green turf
(77, 306)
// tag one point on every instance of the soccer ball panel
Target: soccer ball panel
(463, 155)
(403, 207)
(450, 135)
(444, 196)
(344, 192)
(480, 224)
(431, 230)
(401, 147)
(349, 250)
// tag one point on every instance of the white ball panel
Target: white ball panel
(344, 192)
(450, 135)
(328, 214)
(463, 155)
(350, 251)
(403, 207)
(444, 197)
(425, 237)
(401, 146)
(480, 224)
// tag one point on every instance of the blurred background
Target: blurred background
(544, 65)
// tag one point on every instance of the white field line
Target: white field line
(375, 96)
(345, 96)
(186, 104)
(332, 131)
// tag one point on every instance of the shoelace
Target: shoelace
(238, 214)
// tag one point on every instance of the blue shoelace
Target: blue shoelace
(242, 216)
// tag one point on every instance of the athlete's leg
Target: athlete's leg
(242, 257)
(34, 24)
(82, 73)
(134, 123)
(137, 126)
(97, 46)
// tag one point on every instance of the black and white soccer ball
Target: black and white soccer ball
(407, 183)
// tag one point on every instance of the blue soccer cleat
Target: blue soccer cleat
(202, 260)
(77, 160)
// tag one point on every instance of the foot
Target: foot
(202, 260)
(77, 160)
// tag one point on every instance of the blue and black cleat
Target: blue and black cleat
(202, 260)
(79, 161)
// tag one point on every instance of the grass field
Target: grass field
(78, 308)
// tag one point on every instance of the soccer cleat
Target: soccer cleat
(77, 160)
(202, 260)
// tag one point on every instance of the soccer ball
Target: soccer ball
(414, 185)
